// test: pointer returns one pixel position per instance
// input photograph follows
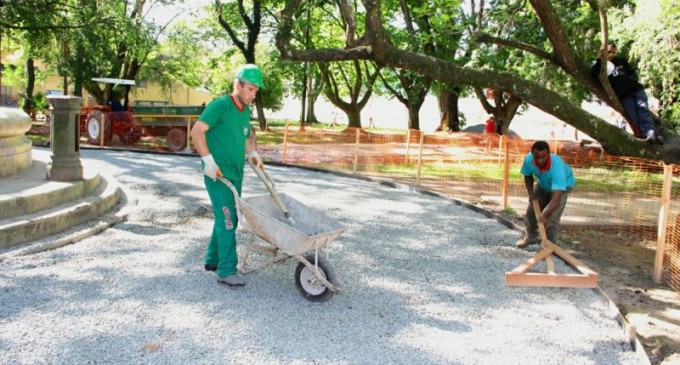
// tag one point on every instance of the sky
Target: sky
(161, 14)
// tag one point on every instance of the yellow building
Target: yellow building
(178, 95)
(53, 85)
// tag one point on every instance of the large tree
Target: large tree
(349, 79)
(116, 45)
(36, 32)
(375, 44)
(243, 24)
(409, 87)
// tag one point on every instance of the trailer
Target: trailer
(100, 123)
(171, 121)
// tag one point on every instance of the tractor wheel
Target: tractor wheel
(94, 128)
(131, 137)
(176, 139)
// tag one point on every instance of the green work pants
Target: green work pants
(221, 251)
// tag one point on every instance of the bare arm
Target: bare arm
(251, 143)
(198, 137)
(529, 183)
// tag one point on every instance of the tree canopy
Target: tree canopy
(558, 47)
(534, 52)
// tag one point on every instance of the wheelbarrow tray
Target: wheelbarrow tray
(311, 230)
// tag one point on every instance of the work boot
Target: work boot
(650, 137)
(659, 139)
(232, 280)
(525, 241)
(210, 267)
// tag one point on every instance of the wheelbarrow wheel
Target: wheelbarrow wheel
(311, 288)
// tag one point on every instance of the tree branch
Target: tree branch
(234, 38)
(487, 38)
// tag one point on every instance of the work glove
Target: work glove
(210, 168)
(254, 157)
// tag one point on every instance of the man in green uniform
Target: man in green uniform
(222, 137)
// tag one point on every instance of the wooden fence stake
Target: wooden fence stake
(420, 157)
(506, 174)
(187, 149)
(356, 151)
(501, 140)
(664, 213)
(285, 142)
(408, 144)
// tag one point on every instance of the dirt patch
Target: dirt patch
(39, 130)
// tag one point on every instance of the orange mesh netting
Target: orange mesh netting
(614, 206)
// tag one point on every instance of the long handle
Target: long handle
(541, 226)
(269, 184)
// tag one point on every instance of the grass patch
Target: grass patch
(587, 179)
(509, 211)
(38, 139)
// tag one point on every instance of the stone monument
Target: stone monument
(64, 135)
(15, 149)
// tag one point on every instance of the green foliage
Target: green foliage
(40, 102)
(179, 59)
(516, 21)
(672, 116)
(272, 97)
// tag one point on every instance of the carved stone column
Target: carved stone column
(64, 131)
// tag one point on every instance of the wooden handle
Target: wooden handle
(541, 227)
(268, 184)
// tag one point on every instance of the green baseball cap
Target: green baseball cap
(252, 74)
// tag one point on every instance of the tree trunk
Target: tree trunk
(413, 117)
(311, 100)
(313, 94)
(353, 117)
(303, 102)
(448, 111)
(30, 86)
(261, 120)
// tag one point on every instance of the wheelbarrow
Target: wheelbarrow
(292, 230)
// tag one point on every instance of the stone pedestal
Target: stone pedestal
(64, 131)
(15, 148)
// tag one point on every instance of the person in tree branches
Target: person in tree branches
(555, 181)
(624, 81)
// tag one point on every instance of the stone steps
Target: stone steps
(32, 207)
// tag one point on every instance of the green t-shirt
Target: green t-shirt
(229, 129)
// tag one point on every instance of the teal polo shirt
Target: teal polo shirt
(558, 175)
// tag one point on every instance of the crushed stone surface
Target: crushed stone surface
(423, 284)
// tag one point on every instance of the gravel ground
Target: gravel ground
(424, 285)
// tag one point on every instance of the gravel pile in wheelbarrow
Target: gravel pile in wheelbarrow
(424, 284)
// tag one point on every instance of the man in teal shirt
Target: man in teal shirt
(222, 136)
(555, 181)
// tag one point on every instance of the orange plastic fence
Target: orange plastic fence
(614, 206)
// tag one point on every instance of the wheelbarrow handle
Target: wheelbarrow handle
(269, 184)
